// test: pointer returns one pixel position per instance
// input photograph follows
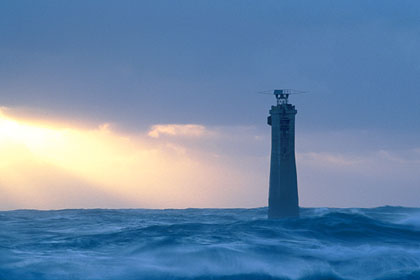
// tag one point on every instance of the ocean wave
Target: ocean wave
(324, 243)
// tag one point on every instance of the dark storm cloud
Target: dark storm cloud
(145, 62)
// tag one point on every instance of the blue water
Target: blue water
(378, 243)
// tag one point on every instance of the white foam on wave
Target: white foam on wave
(411, 219)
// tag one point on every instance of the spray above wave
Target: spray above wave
(379, 243)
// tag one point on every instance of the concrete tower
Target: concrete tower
(283, 194)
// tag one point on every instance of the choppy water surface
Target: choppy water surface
(378, 243)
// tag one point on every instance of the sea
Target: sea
(130, 244)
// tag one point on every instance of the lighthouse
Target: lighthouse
(283, 198)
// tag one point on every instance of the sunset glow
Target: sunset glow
(59, 166)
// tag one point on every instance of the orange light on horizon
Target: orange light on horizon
(47, 167)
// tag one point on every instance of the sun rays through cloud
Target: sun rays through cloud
(100, 166)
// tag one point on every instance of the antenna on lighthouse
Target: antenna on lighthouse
(282, 95)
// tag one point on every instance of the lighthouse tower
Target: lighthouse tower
(283, 193)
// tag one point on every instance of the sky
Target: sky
(155, 104)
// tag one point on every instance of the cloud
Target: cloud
(179, 130)
(330, 159)
(374, 161)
